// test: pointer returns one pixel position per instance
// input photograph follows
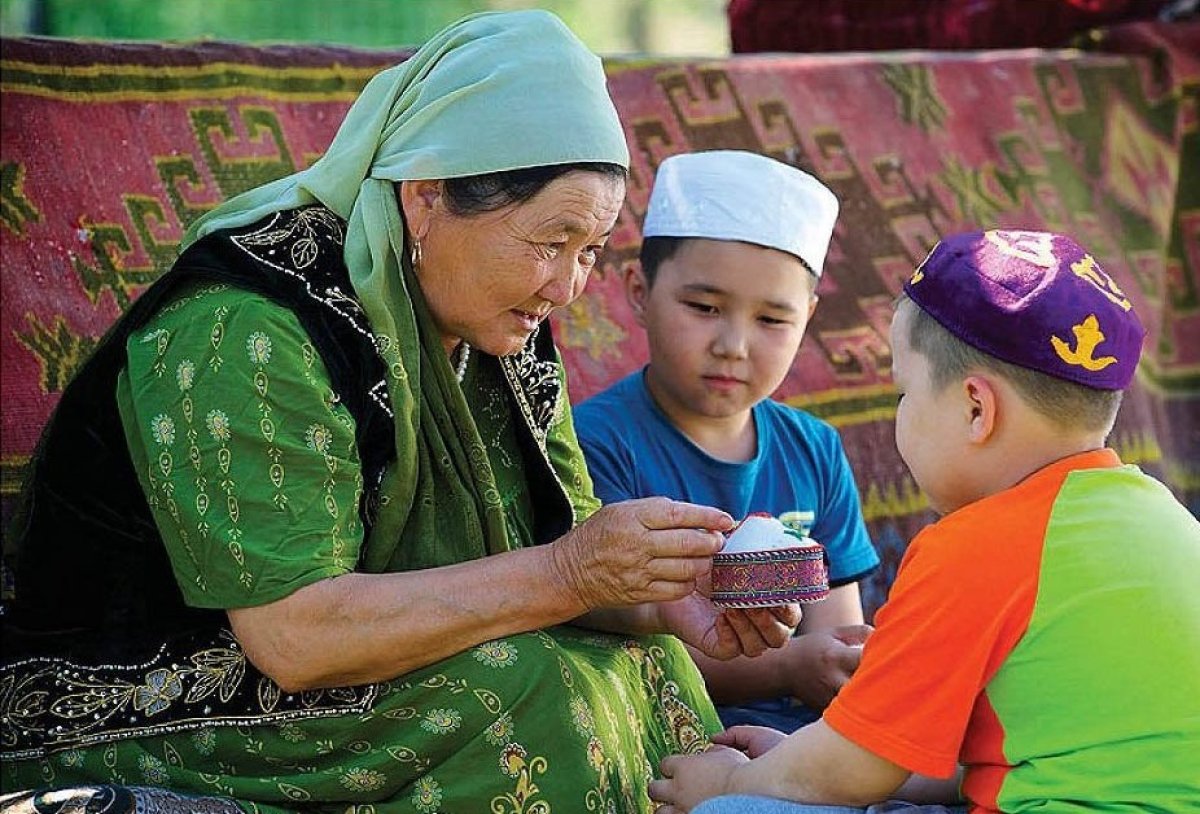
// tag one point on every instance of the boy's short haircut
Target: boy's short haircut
(657, 250)
(950, 359)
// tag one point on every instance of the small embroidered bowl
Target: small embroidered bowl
(777, 576)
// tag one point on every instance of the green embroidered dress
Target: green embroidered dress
(251, 468)
(254, 471)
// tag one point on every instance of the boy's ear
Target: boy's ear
(418, 199)
(982, 402)
(637, 290)
(812, 305)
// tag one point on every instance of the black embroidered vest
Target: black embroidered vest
(91, 575)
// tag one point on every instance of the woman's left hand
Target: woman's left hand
(725, 633)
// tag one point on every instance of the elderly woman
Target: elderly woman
(309, 527)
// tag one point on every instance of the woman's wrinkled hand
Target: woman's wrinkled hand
(649, 550)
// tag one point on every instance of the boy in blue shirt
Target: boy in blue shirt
(734, 245)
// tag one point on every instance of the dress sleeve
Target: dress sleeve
(247, 458)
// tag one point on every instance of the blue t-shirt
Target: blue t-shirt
(800, 473)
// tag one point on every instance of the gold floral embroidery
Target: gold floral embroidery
(362, 779)
(217, 335)
(220, 428)
(427, 794)
(515, 763)
(581, 716)
(161, 492)
(53, 704)
(161, 339)
(309, 354)
(185, 377)
(500, 733)
(318, 438)
(162, 427)
(442, 721)
(680, 722)
(258, 349)
(499, 653)
(218, 425)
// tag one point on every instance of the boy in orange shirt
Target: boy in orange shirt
(1045, 633)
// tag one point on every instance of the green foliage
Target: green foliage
(379, 23)
(695, 27)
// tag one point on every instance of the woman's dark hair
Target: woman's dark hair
(476, 194)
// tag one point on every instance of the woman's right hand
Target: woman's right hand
(636, 551)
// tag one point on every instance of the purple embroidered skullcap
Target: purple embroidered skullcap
(1033, 299)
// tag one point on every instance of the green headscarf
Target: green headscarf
(492, 92)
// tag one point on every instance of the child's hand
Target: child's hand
(823, 661)
(690, 779)
(752, 741)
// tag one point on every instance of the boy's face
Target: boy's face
(724, 320)
(930, 424)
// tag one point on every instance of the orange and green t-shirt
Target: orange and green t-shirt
(1048, 639)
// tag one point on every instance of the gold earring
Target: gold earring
(415, 255)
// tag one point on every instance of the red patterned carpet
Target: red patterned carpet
(108, 151)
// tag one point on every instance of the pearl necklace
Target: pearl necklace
(464, 353)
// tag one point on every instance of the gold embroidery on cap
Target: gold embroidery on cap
(1086, 269)
(1087, 336)
(1032, 247)
(917, 275)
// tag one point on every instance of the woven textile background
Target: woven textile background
(108, 151)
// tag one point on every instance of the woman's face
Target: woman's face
(491, 278)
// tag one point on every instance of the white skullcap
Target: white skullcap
(736, 195)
